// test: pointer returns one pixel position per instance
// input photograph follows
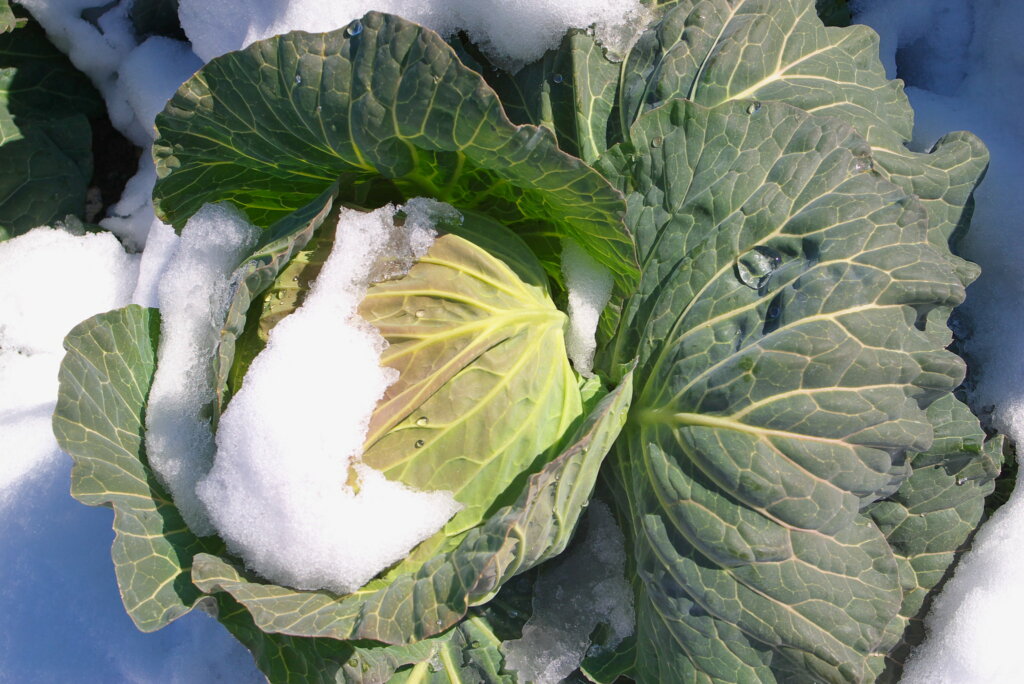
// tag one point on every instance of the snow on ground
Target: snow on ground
(963, 62)
(62, 618)
(279, 496)
(67, 278)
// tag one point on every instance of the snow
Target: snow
(194, 293)
(289, 442)
(67, 278)
(216, 28)
(580, 589)
(63, 619)
(590, 287)
(131, 218)
(962, 61)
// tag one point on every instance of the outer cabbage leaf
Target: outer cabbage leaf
(414, 606)
(714, 51)
(104, 382)
(386, 106)
(929, 521)
(45, 136)
(469, 653)
(570, 90)
(784, 386)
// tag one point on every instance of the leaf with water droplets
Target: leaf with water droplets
(780, 390)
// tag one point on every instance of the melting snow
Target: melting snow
(580, 589)
(590, 287)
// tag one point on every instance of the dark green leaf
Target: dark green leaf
(571, 91)
(156, 18)
(38, 82)
(833, 12)
(45, 136)
(391, 112)
(605, 666)
(930, 519)
(783, 380)
(714, 51)
(45, 167)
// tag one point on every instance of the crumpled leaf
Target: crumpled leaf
(513, 539)
(104, 381)
(385, 106)
(715, 51)
(929, 521)
(784, 381)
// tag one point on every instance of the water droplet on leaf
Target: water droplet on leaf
(862, 158)
(419, 444)
(656, 143)
(354, 29)
(298, 79)
(961, 481)
(755, 268)
(420, 313)
(753, 108)
(556, 78)
(421, 421)
(319, 109)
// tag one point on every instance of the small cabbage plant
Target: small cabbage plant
(772, 410)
